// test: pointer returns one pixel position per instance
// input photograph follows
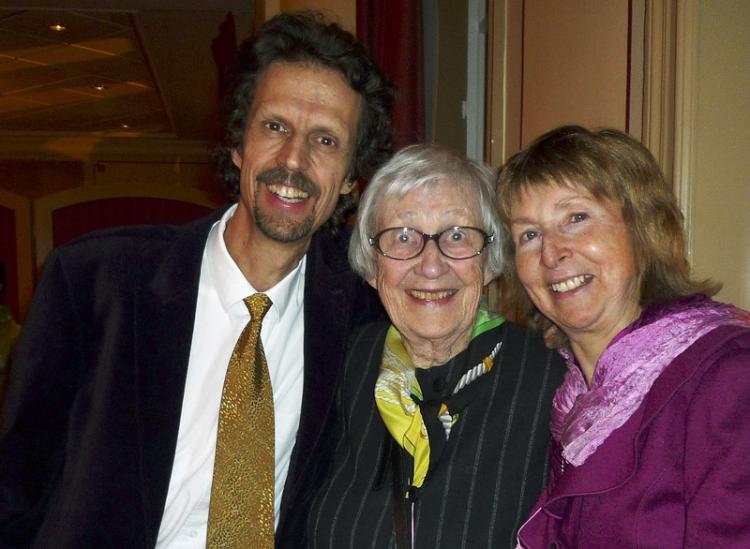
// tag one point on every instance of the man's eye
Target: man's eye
(327, 141)
(274, 126)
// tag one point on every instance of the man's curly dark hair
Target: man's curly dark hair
(307, 38)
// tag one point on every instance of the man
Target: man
(110, 424)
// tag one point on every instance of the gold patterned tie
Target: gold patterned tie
(241, 510)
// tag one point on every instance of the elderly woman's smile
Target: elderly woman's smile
(431, 295)
(432, 299)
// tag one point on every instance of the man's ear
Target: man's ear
(348, 186)
(236, 157)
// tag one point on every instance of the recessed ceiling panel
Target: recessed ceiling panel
(78, 26)
(10, 105)
(91, 76)
(15, 44)
(20, 76)
(155, 64)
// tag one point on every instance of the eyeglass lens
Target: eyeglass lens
(455, 242)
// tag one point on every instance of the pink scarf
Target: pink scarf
(583, 417)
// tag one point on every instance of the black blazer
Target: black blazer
(492, 469)
(92, 409)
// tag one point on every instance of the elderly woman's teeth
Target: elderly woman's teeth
(570, 284)
(430, 295)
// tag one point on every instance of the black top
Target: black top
(492, 468)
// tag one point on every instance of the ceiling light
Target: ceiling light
(99, 87)
(124, 126)
(58, 27)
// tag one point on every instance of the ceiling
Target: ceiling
(145, 68)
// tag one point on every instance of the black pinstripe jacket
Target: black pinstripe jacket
(492, 469)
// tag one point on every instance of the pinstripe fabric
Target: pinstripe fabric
(494, 463)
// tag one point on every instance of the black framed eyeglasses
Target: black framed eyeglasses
(407, 242)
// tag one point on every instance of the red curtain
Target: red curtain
(392, 32)
(8, 257)
(78, 219)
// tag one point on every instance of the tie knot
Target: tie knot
(258, 305)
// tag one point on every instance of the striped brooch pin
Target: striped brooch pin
(448, 420)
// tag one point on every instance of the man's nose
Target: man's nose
(293, 154)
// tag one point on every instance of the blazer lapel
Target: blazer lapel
(164, 317)
(328, 294)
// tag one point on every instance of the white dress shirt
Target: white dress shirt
(220, 317)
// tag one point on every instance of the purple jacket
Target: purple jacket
(676, 474)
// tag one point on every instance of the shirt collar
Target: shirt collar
(232, 286)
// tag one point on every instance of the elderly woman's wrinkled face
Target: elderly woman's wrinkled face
(575, 258)
(431, 299)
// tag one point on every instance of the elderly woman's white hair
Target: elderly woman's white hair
(418, 166)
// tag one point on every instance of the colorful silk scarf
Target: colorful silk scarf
(583, 417)
(397, 393)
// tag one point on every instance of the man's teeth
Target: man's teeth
(284, 191)
(570, 284)
(431, 296)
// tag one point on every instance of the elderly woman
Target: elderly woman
(651, 426)
(444, 411)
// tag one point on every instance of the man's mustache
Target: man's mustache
(282, 176)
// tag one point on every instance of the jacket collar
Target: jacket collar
(328, 304)
(616, 460)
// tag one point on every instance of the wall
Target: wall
(575, 68)
(720, 163)
(41, 175)
(344, 12)
(449, 86)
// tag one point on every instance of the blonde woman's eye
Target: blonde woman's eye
(529, 235)
(578, 217)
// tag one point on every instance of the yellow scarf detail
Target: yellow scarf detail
(401, 415)
(397, 383)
